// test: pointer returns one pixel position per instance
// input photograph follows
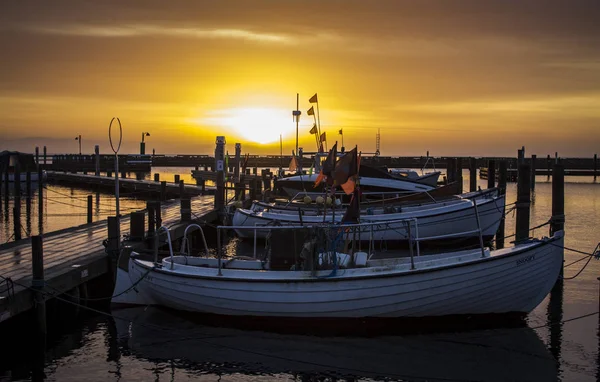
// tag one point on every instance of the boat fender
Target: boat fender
(328, 200)
(307, 200)
(319, 200)
(360, 259)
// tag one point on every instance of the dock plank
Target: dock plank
(70, 251)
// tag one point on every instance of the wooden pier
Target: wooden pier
(74, 256)
(130, 185)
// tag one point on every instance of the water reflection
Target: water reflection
(156, 335)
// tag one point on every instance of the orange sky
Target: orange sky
(451, 77)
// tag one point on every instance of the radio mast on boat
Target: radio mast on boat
(377, 142)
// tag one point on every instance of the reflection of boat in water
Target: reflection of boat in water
(11, 160)
(492, 355)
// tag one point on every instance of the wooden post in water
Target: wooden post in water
(151, 218)
(163, 190)
(176, 178)
(459, 176)
(450, 172)
(37, 155)
(17, 202)
(158, 214)
(186, 209)
(157, 177)
(533, 167)
(595, 166)
(114, 235)
(548, 166)
(6, 188)
(109, 173)
(40, 201)
(238, 154)
(523, 201)
(472, 174)
(28, 184)
(97, 160)
(181, 189)
(200, 182)
(45, 156)
(89, 209)
(136, 225)
(557, 222)
(491, 174)
(38, 283)
(220, 176)
(502, 179)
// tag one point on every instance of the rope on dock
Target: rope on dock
(589, 256)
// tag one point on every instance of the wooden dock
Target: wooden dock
(128, 185)
(76, 255)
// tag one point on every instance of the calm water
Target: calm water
(155, 345)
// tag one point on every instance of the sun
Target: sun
(260, 125)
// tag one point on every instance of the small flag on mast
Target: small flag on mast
(311, 111)
(313, 99)
(341, 131)
(314, 129)
(323, 137)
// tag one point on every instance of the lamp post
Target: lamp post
(78, 138)
(142, 144)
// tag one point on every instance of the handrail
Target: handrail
(169, 240)
(185, 240)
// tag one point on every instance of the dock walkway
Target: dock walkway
(73, 256)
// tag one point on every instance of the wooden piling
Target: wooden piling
(181, 189)
(163, 190)
(502, 179)
(459, 176)
(17, 202)
(109, 173)
(97, 160)
(114, 235)
(38, 283)
(28, 184)
(595, 165)
(533, 167)
(186, 209)
(45, 156)
(137, 224)
(158, 214)
(176, 178)
(6, 187)
(157, 177)
(123, 174)
(40, 200)
(202, 183)
(89, 209)
(548, 166)
(450, 170)
(238, 154)
(557, 222)
(523, 202)
(17, 223)
(491, 174)
(151, 217)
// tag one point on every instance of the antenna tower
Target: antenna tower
(378, 142)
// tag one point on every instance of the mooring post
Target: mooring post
(181, 189)
(151, 218)
(163, 190)
(137, 224)
(89, 209)
(238, 154)
(200, 182)
(114, 235)
(252, 191)
(123, 174)
(158, 214)
(17, 223)
(17, 202)
(108, 174)
(523, 201)
(533, 167)
(186, 209)
(548, 166)
(450, 170)
(157, 177)
(176, 178)
(28, 183)
(45, 156)
(491, 174)
(40, 200)
(97, 160)
(502, 179)
(38, 283)
(37, 155)
(459, 176)
(6, 188)
(220, 168)
(557, 222)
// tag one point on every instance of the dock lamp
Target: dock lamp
(142, 144)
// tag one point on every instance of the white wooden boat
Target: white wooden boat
(470, 282)
(434, 220)
(430, 178)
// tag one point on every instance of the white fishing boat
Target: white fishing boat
(391, 224)
(301, 281)
(430, 178)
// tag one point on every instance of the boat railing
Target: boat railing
(184, 242)
(416, 239)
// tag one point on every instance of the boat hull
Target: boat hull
(511, 281)
(432, 222)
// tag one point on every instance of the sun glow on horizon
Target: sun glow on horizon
(255, 124)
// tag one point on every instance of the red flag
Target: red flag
(319, 179)
(313, 99)
(349, 186)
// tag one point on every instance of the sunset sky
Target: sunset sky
(452, 77)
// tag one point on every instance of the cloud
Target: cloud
(143, 30)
